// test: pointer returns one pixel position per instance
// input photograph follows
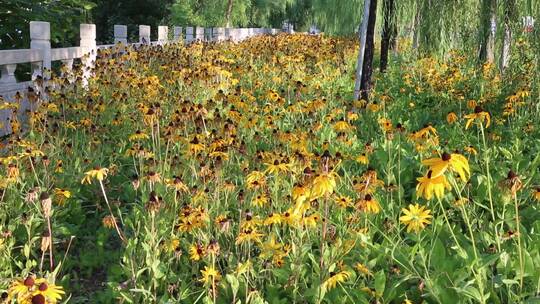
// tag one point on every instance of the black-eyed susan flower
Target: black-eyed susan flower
(255, 179)
(197, 252)
(324, 184)
(61, 195)
(451, 118)
(260, 200)
(272, 219)
(334, 279)
(361, 268)
(455, 162)
(369, 204)
(21, 289)
(536, 194)
(35, 290)
(277, 166)
(248, 235)
(363, 159)
(343, 201)
(480, 116)
(471, 150)
(138, 135)
(97, 173)
(416, 217)
(49, 292)
(210, 275)
(429, 185)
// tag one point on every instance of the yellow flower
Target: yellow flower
(21, 289)
(343, 126)
(277, 167)
(49, 292)
(32, 290)
(362, 269)
(324, 184)
(61, 195)
(138, 135)
(415, 218)
(334, 279)
(255, 179)
(363, 159)
(456, 162)
(248, 235)
(98, 173)
(470, 150)
(196, 252)
(260, 200)
(451, 117)
(311, 221)
(343, 201)
(536, 194)
(369, 205)
(429, 185)
(479, 115)
(210, 275)
(385, 124)
(273, 218)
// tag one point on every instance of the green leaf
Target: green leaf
(380, 282)
(233, 282)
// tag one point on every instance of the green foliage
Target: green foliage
(64, 16)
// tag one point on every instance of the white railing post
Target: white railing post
(189, 35)
(199, 33)
(120, 34)
(218, 33)
(177, 33)
(8, 73)
(144, 34)
(163, 34)
(40, 39)
(89, 49)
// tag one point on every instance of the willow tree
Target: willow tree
(487, 28)
(509, 10)
(389, 32)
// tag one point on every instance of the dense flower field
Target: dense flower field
(244, 173)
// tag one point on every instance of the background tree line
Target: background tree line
(486, 27)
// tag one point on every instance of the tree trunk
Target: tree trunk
(367, 69)
(387, 32)
(416, 25)
(509, 9)
(362, 33)
(487, 31)
(229, 11)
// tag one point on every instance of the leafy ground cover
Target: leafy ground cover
(244, 173)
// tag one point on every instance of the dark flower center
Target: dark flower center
(29, 282)
(38, 299)
(478, 109)
(446, 156)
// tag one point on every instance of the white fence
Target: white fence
(40, 54)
